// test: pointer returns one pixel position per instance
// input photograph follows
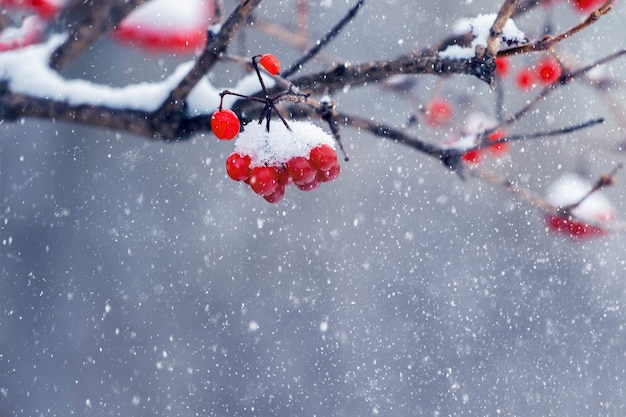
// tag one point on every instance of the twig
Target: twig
(548, 42)
(604, 181)
(102, 18)
(323, 41)
(485, 142)
(495, 33)
(168, 115)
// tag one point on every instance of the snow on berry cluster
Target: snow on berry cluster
(476, 124)
(592, 211)
(270, 161)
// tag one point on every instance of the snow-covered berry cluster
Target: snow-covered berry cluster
(295, 152)
(270, 161)
(586, 217)
(476, 124)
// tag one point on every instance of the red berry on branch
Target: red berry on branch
(472, 157)
(498, 148)
(263, 180)
(549, 70)
(300, 170)
(438, 112)
(574, 229)
(331, 174)
(586, 5)
(310, 186)
(270, 63)
(323, 157)
(276, 196)
(525, 79)
(503, 65)
(238, 166)
(225, 124)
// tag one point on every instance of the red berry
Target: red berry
(438, 112)
(238, 166)
(573, 228)
(270, 63)
(498, 148)
(525, 79)
(310, 186)
(331, 174)
(263, 180)
(323, 157)
(276, 196)
(472, 157)
(300, 170)
(549, 70)
(225, 124)
(503, 65)
(586, 5)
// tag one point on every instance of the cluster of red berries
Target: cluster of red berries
(301, 154)
(588, 215)
(546, 72)
(475, 156)
(270, 181)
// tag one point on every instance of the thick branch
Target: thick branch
(495, 34)
(15, 105)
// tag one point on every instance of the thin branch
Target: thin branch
(537, 135)
(549, 41)
(102, 18)
(604, 181)
(336, 30)
(216, 45)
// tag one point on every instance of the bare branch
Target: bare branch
(495, 33)
(102, 18)
(216, 44)
(549, 41)
(323, 41)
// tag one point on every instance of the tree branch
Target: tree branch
(168, 116)
(104, 17)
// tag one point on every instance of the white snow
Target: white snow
(31, 27)
(27, 72)
(279, 145)
(475, 124)
(168, 14)
(479, 26)
(570, 188)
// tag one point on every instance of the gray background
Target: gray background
(137, 280)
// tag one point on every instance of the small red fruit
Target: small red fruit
(270, 63)
(472, 157)
(276, 196)
(525, 79)
(575, 229)
(586, 5)
(225, 124)
(300, 170)
(498, 148)
(503, 65)
(310, 186)
(323, 157)
(263, 180)
(331, 174)
(549, 70)
(238, 166)
(438, 112)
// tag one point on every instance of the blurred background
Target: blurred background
(138, 280)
